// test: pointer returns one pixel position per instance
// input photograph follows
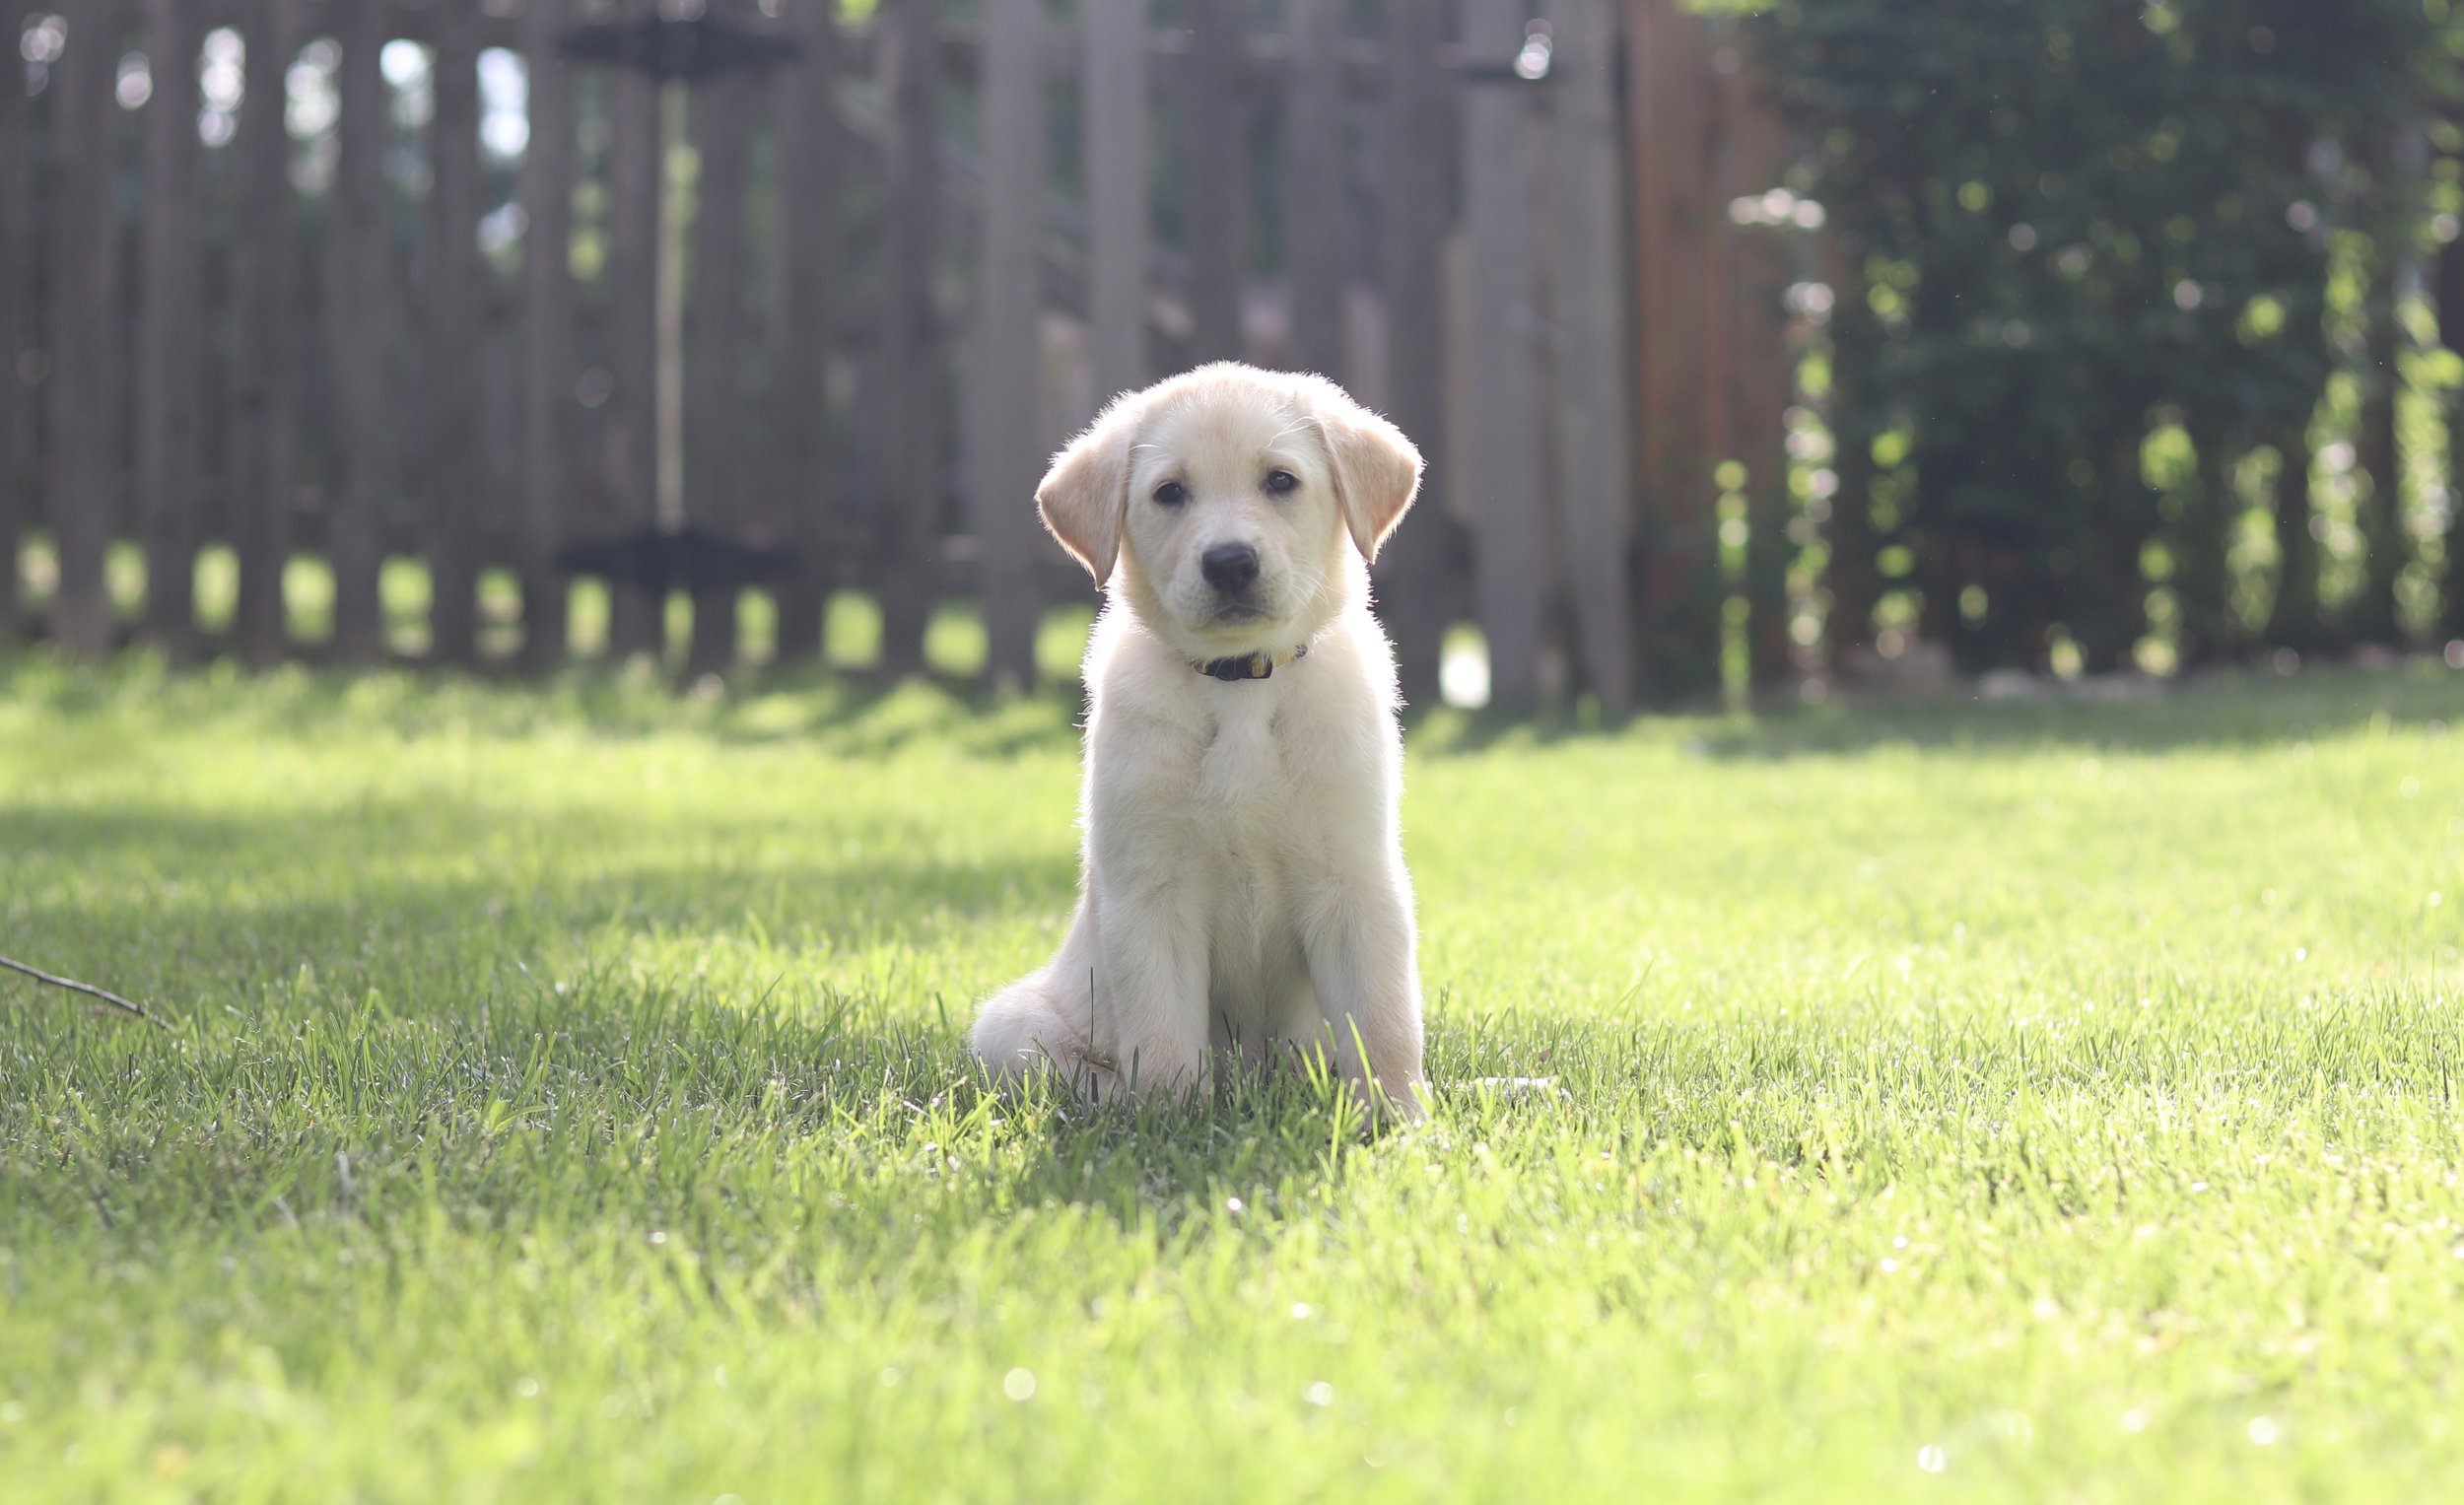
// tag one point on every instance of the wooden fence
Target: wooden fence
(287, 309)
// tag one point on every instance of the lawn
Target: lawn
(566, 1101)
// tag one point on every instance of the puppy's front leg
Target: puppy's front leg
(1148, 1013)
(1363, 966)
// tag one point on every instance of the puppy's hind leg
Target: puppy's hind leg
(1027, 1028)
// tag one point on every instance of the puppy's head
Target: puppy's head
(1228, 497)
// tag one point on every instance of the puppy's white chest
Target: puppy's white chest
(1244, 759)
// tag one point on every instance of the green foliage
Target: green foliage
(2068, 222)
(569, 1103)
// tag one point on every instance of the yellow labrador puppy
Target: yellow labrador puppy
(1244, 890)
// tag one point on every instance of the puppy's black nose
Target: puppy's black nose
(1230, 566)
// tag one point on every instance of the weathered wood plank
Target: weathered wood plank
(87, 370)
(1506, 476)
(1676, 621)
(636, 179)
(455, 311)
(360, 301)
(263, 379)
(722, 131)
(1315, 217)
(170, 364)
(1214, 142)
(1005, 365)
(1120, 163)
(17, 246)
(1593, 470)
(1413, 591)
(545, 191)
(907, 365)
(810, 145)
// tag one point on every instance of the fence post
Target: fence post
(1007, 362)
(1215, 157)
(455, 466)
(1314, 215)
(636, 175)
(1411, 586)
(263, 385)
(907, 343)
(86, 365)
(1507, 477)
(15, 261)
(357, 284)
(807, 197)
(1120, 165)
(546, 193)
(1676, 620)
(1592, 394)
(722, 122)
(170, 364)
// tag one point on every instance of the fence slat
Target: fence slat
(1214, 141)
(16, 262)
(1591, 399)
(546, 194)
(263, 397)
(1006, 365)
(170, 364)
(1675, 623)
(84, 343)
(357, 284)
(812, 258)
(636, 179)
(456, 472)
(1506, 478)
(1118, 171)
(1315, 217)
(906, 361)
(723, 128)
(1412, 205)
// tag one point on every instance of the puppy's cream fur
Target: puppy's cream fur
(1243, 889)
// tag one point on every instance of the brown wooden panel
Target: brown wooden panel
(546, 193)
(1214, 136)
(1591, 399)
(1005, 361)
(455, 312)
(1118, 171)
(810, 144)
(87, 367)
(1413, 167)
(1315, 217)
(1505, 484)
(636, 181)
(906, 361)
(171, 364)
(264, 379)
(721, 117)
(1668, 61)
(360, 298)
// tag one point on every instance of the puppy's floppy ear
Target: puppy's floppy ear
(1377, 471)
(1085, 493)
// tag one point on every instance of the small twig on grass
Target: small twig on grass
(88, 989)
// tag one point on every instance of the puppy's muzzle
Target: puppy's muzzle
(1231, 568)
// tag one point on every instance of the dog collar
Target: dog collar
(1249, 665)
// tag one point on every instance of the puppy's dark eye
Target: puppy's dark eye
(1171, 494)
(1279, 482)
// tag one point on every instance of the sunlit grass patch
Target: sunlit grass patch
(567, 1100)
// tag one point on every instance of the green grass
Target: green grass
(567, 1102)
